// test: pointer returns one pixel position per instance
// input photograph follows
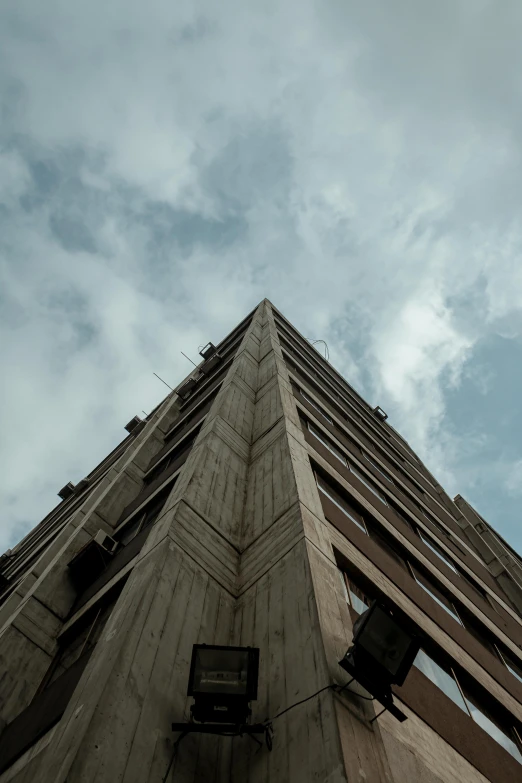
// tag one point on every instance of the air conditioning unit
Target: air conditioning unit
(81, 485)
(133, 423)
(106, 542)
(207, 351)
(380, 413)
(207, 367)
(66, 491)
(91, 560)
(186, 390)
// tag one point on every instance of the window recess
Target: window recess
(438, 667)
(428, 540)
(92, 559)
(432, 590)
(130, 537)
(315, 405)
(377, 467)
(58, 685)
(332, 448)
(369, 484)
(342, 504)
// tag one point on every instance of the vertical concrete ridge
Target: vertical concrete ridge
(189, 565)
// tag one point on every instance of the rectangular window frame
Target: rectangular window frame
(337, 499)
(433, 546)
(433, 591)
(377, 467)
(368, 484)
(516, 670)
(357, 603)
(327, 443)
(315, 405)
(465, 689)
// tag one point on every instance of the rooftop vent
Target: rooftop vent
(66, 491)
(208, 351)
(207, 367)
(380, 413)
(133, 423)
(81, 485)
(186, 390)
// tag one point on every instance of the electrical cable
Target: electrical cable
(333, 686)
(268, 722)
(174, 754)
(368, 698)
(297, 703)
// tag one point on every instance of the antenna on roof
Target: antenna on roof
(161, 379)
(190, 360)
(326, 350)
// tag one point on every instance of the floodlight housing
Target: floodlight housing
(222, 681)
(382, 654)
(207, 351)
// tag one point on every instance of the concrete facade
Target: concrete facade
(248, 550)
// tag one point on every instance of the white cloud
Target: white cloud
(165, 167)
(513, 479)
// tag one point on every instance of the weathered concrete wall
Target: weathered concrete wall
(242, 554)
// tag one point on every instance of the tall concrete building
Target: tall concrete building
(264, 503)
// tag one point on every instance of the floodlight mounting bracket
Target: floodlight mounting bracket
(381, 693)
(220, 728)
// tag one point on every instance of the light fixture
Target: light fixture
(207, 351)
(133, 423)
(222, 681)
(66, 491)
(209, 364)
(187, 388)
(381, 655)
(380, 413)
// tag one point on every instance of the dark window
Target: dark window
(177, 457)
(355, 596)
(143, 518)
(471, 582)
(58, 685)
(515, 667)
(434, 522)
(477, 629)
(452, 681)
(327, 443)
(369, 484)
(428, 540)
(315, 405)
(377, 467)
(402, 515)
(485, 718)
(332, 494)
(387, 542)
(81, 637)
(441, 676)
(422, 579)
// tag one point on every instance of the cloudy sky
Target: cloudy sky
(164, 166)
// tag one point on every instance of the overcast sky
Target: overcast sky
(166, 165)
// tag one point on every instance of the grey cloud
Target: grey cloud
(170, 228)
(357, 164)
(72, 234)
